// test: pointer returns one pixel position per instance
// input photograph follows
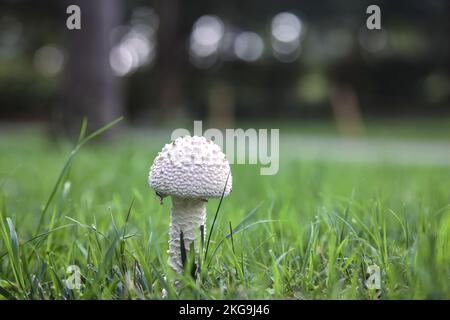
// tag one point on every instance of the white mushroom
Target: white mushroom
(190, 170)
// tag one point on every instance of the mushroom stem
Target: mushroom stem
(187, 215)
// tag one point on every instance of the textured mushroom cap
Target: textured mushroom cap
(191, 167)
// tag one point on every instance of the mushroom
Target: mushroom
(189, 170)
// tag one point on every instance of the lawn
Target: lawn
(312, 231)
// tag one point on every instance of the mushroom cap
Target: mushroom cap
(191, 167)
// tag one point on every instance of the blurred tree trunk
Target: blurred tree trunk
(170, 54)
(90, 88)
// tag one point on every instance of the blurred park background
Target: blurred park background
(281, 63)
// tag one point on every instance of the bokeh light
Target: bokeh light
(10, 31)
(122, 60)
(373, 41)
(136, 44)
(338, 42)
(248, 46)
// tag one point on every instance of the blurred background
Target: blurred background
(166, 62)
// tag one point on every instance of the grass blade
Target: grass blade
(215, 216)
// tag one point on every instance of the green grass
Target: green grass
(309, 232)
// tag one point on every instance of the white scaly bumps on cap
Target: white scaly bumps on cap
(191, 167)
(189, 170)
